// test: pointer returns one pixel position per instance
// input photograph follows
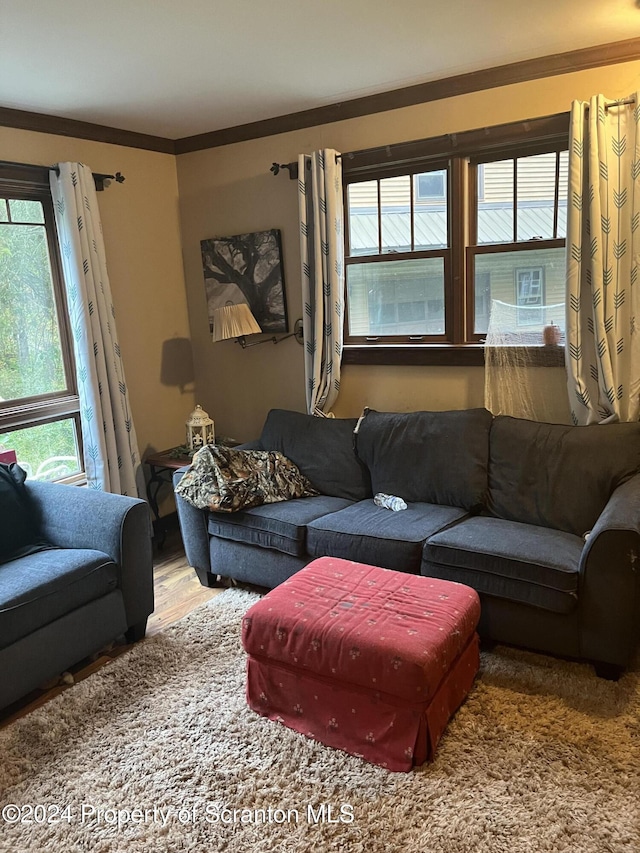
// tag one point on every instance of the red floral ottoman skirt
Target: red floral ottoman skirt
(368, 660)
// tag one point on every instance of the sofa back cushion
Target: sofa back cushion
(428, 457)
(558, 476)
(19, 526)
(322, 448)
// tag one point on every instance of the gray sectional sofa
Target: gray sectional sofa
(75, 574)
(543, 520)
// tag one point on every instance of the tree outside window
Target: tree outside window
(39, 410)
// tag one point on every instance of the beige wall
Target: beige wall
(163, 210)
(229, 190)
(142, 236)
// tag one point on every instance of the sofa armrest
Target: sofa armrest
(119, 526)
(609, 586)
(195, 536)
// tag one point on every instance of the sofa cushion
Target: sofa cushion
(281, 526)
(558, 476)
(39, 588)
(371, 534)
(322, 448)
(506, 559)
(429, 457)
(20, 533)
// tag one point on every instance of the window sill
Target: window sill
(452, 355)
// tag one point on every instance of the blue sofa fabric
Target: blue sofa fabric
(428, 457)
(92, 584)
(558, 476)
(261, 567)
(41, 587)
(521, 562)
(322, 448)
(368, 533)
(499, 504)
(282, 527)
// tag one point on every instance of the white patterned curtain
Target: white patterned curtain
(322, 250)
(111, 457)
(603, 242)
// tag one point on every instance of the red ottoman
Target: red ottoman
(368, 660)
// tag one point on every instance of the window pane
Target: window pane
(536, 196)
(529, 296)
(47, 451)
(395, 204)
(4, 211)
(532, 281)
(362, 201)
(30, 352)
(495, 202)
(430, 218)
(431, 185)
(396, 297)
(563, 187)
(25, 210)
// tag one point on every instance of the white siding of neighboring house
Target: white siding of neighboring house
(536, 180)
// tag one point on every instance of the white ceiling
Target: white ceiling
(175, 68)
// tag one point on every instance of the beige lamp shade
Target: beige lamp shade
(234, 321)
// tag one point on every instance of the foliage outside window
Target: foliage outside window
(39, 408)
(431, 240)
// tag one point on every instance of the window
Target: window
(39, 408)
(439, 228)
(521, 220)
(529, 297)
(387, 296)
(431, 185)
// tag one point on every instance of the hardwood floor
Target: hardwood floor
(177, 592)
(176, 586)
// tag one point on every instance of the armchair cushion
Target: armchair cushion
(39, 588)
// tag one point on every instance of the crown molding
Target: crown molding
(490, 78)
(462, 84)
(42, 123)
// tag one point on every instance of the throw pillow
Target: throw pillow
(19, 526)
(322, 448)
(553, 475)
(223, 479)
(429, 457)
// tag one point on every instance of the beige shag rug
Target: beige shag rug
(158, 753)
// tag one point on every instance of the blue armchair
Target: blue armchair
(91, 584)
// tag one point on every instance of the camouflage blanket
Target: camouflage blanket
(223, 479)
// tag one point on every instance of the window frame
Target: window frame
(24, 412)
(465, 154)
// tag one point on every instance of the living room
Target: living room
(215, 180)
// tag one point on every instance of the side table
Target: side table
(161, 466)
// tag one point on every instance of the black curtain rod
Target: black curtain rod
(292, 168)
(98, 177)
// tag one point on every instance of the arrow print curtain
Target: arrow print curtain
(603, 242)
(322, 250)
(112, 461)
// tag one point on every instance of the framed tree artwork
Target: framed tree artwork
(247, 268)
